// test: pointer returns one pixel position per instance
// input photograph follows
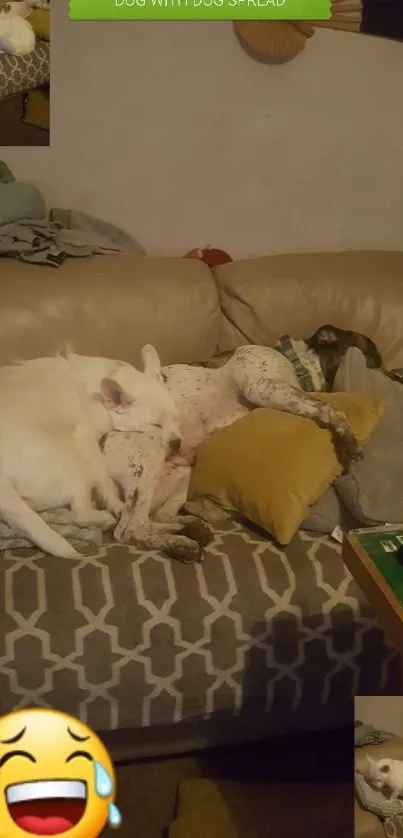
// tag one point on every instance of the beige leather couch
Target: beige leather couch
(156, 655)
(368, 825)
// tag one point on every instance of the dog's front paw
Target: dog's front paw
(196, 529)
(184, 549)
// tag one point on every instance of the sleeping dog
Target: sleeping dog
(214, 395)
(316, 359)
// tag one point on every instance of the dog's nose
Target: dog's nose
(175, 444)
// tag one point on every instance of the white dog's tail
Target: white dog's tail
(18, 514)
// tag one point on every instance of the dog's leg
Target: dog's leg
(135, 526)
(99, 478)
(171, 492)
(84, 514)
(262, 392)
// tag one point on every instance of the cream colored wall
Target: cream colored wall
(171, 131)
(384, 712)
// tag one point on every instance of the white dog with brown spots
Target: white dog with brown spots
(154, 483)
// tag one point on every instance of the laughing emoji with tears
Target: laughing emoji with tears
(56, 777)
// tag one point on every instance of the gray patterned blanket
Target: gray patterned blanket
(124, 638)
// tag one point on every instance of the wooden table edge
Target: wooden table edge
(379, 594)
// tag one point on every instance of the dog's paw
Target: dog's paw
(348, 451)
(196, 529)
(116, 508)
(183, 549)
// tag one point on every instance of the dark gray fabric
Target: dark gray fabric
(373, 489)
(327, 513)
(129, 639)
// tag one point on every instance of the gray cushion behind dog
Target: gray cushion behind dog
(373, 490)
(327, 513)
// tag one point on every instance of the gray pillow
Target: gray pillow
(373, 490)
(327, 513)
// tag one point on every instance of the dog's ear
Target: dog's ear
(113, 396)
(151, 361)
(372, 761)
(327, 336)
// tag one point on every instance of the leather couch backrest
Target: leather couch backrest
(295, 294)
(110, 306)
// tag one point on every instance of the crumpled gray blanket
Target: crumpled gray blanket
(50, 242)
(27, 234)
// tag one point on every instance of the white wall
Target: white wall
(383, 712)
(171, 131)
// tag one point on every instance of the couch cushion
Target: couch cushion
(270, 466)
(295, 294)
(19, 73)
(373, 489)
(125, 639)
(327, 513)
(109, 305)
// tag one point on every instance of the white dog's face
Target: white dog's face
(379, 772)
(151, 406)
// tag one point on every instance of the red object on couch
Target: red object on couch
(210, 255)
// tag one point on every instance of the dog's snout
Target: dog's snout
(175, 444)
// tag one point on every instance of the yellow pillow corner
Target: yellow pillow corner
(271, 466)
(202, 812)
(37, 109)
(363, 412)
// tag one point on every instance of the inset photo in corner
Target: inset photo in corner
(378, 766)
(24, 72)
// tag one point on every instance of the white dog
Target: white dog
(53, 413)
(204, 400)
(387, 773)
(17, 36)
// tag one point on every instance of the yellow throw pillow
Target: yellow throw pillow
(202, 812)
(40, 22)
(36, 109)
(270, 466)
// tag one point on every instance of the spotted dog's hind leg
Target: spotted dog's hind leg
(259, 390)
(140, 468)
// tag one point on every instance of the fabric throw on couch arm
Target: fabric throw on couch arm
(28, 233)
